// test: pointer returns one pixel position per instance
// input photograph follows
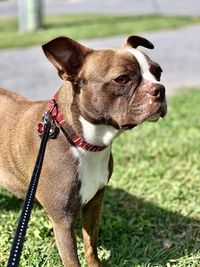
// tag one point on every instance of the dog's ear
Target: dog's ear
(135, 41)
(66, 55)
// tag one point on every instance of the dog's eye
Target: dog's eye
(156, 70)
(122, 79)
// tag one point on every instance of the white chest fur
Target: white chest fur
(93, 166)
(92, 171)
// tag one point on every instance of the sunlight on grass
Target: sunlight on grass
(152, 206)
(87, 26)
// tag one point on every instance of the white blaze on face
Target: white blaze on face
(144, 66)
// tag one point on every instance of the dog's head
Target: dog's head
(119, 87)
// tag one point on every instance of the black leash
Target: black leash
(20, 233)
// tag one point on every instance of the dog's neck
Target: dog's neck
(91, 133)
(97, 134)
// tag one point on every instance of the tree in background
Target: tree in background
(30, 15)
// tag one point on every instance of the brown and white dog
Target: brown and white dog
(105, 93)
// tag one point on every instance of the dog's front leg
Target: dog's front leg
(91, 219)
(66, 242)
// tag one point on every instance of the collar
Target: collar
(58, 121)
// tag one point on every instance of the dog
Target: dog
(105, 93)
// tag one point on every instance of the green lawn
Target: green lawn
(152, 206)
(87, 26)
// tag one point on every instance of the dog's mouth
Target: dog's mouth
(128, 126)
(152, 117)
(159, 113)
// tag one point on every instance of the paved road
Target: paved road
(28, 72)
(180, 7)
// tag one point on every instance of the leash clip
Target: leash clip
(54, 131)
(47, 117)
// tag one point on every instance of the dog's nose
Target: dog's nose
(158, 91)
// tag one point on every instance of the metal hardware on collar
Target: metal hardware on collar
(54, 130)
(58, 122)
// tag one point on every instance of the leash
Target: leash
(53, 122)
(22, 226)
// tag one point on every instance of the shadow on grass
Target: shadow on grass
(139, 232)
(9, 202)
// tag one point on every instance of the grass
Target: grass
(87, 26)
(152, 206)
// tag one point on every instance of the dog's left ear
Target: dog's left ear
(66, 55)
(135, 41)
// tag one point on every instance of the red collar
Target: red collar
(59, 122)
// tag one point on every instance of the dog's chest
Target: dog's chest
(93, 171)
